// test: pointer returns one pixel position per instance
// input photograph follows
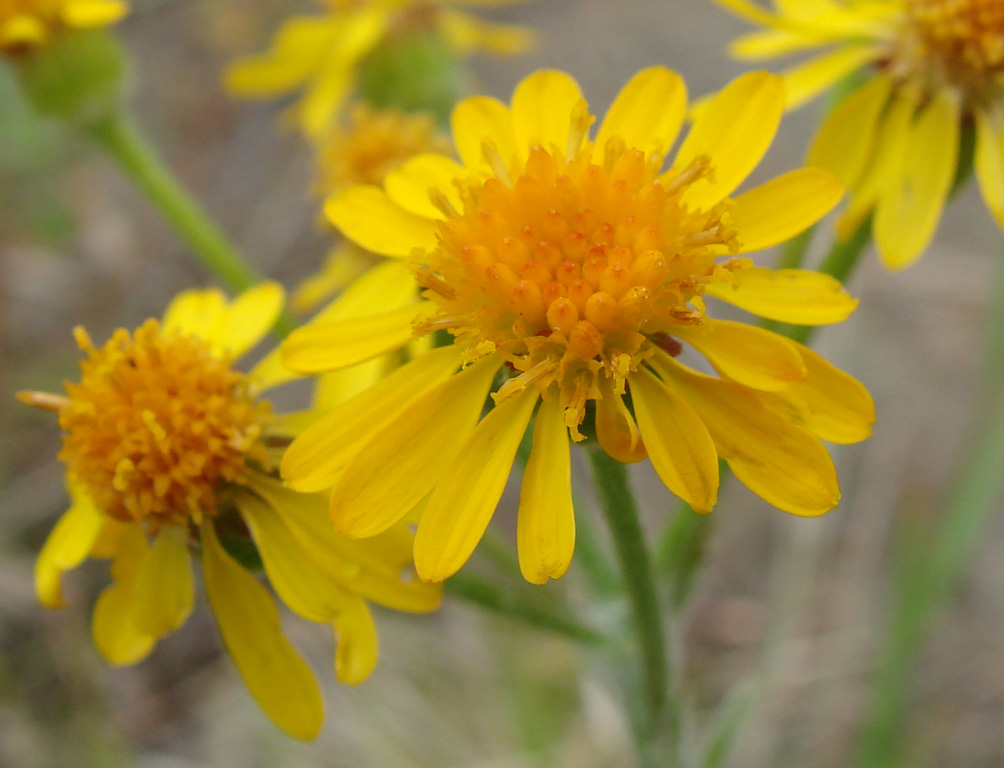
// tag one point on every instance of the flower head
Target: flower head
(26, 24)
(320, 54)
(168, 446)
(894, 140)
(570, 271)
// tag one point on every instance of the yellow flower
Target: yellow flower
(25, 24)
(319, 54)
(570, 272)
(167, 447)
(370, 144)
(936, 65)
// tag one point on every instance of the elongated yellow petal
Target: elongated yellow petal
(115, 634)
(746, 354)
(615, 426)
(250, 316)
(750, 11)
(357, 651)
(275, 674)
(334, 388)
(647, 113)
(380, 568)
(542, 106)
(315, 459)
(783, 207)
(831, 404)
(412, 183)
(295, 55)
(989, 158)
(294, 577)
(369, 218)
(93, 13)
(545, 528)
(196, 312)
(771, 43)
(846, 136)
(678, 443)
(462, 504)
(402, 461)
(909, 208)
(788, 295)
(468, 34)
(479, 119)
(68, 545)
(385, 286)
(807, 80)
(329, 345)
(165, 588)
(734, 131)
(781, 463)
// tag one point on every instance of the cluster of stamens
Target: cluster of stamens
(157, 425)
(957, 42)
(566, 267)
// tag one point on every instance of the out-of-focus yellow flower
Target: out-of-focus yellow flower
(895, 139)
(370, 144)
(570, 272)
(319, 54)
(26, 24)
(167, 447)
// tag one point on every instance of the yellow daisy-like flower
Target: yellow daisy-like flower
(26, 24)
(319, 54)
(895, 139)
(167, 447)
(371, 143)
(570, 272)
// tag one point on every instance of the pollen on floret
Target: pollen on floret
(157, 425)
(565, 264)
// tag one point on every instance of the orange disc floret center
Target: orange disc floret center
(566, 267)
(962, 39)
(157, 424)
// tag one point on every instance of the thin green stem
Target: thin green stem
(486, 594)
(793, 253)
(621, 512)
(935, 568)
(120, 138)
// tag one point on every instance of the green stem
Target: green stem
(621, 512)
(538, 614)
(120, 138)
(936, 568)
(793, 254)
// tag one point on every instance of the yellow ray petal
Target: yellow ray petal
(386, 286)
(68, 545)
(734, 130)
(783, 464)
(771, 43)
(380, 568)
(357, 651)
(93, 13)
(197, 312)
(746, 354)
(787, 295)
(989, 158)
(677, 441)
(334, 388)
(402, 462)
(165, 589)
(316, 458)
(249, 317)
(831, 404)
(846, 136)
(545, 528)
(275, 674)
(750, 11)
(333, 344)
(369, 218)
(461, 506)
(647, 113)
(297, 51)
(615, 426)
(479, 119)
(115, 634)
(468, 34)
(542, 107)
(909, 207)
(807, 80)
(411, 183)
(783, 207)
